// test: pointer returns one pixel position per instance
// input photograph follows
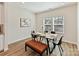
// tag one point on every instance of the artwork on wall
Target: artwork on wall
(25, 22)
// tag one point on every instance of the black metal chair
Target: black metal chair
(59, 46)
(53, 32)
(33, 35)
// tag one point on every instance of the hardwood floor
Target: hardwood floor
(18, 49)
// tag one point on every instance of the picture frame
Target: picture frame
(24, 22)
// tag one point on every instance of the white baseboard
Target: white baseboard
(70, 42)
(18, 40)
(6, 48)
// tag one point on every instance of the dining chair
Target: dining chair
(33, 35)
(53, 32)
(58, 44)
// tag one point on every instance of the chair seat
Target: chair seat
(36, 45)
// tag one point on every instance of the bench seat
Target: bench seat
(37, 46)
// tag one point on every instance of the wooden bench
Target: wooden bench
(37, 46)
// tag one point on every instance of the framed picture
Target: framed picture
(25, 22)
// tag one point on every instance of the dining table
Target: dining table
(48, 37)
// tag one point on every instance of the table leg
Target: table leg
(48, 45)
(40, 37)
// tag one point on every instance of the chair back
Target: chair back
(33, 34)
(60, 41)
(53, 32)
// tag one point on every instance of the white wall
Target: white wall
(0, 14)
(1, 22)
(1, 6)
(13, 31)
(78, 25)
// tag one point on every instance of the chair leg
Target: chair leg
(34, 38)
(25, 47)
(40, 38)
(53, 48)
(60, 50)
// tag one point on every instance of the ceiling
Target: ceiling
(42, 6)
